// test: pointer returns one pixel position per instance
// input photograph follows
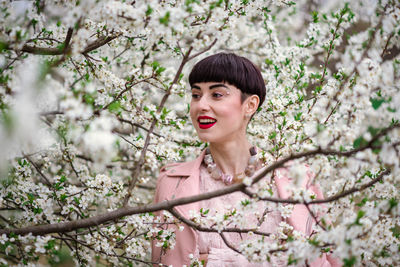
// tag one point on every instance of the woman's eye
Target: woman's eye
(195, 96)
(217, 95)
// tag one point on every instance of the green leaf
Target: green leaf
(272, 135)
(149, 10)
(76, 200)
(376, 102)
(165, 20)
(315, 16)
(292, 260)
(320, 127)
(269, 61)
(88, 98)
(61, 46)
(396, 231)
(245, 202)
(360, 214)
(350, 262)
(159, 70)
(393, 203)
(359, 142)
(362, 202)
(63, 197)
(115, 107)
(31, 197)
(373, 131)
(50, 244)
(297, 117)
(155, 65)
(313, 242)
(37, 210)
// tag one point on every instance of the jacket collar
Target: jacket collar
(185, 169)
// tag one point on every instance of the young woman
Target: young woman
(226, 92)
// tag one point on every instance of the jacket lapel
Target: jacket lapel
(189, 185)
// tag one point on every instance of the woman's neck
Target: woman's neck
(231, 157)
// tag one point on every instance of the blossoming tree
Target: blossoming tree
(94, 100)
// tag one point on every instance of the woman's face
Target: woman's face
(217, 112)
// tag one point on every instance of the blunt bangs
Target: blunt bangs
(232, 69)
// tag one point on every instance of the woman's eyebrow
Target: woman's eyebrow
(218, 85)
(211, 86)
(195, 87)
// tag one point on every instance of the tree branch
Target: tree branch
(46, 180)
(212, 230)
(326, 200)
(100, 42)
(228, 244)
(53, 51)
(169, 204)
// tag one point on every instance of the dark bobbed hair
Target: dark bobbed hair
(233, 69)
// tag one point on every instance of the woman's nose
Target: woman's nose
(203, 103)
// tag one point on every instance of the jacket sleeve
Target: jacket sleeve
(301, 219)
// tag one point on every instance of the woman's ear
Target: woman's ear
(251, 105)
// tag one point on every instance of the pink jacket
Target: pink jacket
(182, 180)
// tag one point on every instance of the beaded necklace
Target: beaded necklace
(217, 174)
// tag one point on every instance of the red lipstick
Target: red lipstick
(206, 122)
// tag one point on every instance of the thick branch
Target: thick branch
(99, 43)
(165, 205)
(52, 51)
(169, 204)
(68, 39)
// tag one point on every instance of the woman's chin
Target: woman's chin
(210, 139)
(205, 138)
